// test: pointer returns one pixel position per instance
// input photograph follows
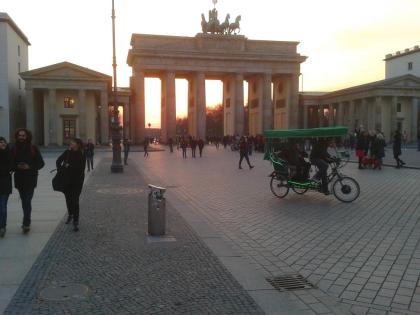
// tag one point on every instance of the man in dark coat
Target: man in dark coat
(193, 145)
(27, 162)
(89, 153)
(319, 157)
(243, 152)
(200, 143)
(6, 167)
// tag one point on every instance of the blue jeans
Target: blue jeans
(26, 198)
(3, 210)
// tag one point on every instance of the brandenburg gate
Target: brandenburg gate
(271, 69)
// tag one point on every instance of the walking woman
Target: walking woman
(6, 167)
(74, 161)
(396, 148)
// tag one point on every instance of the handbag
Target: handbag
(60, 179)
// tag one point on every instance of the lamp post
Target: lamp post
(116, 166)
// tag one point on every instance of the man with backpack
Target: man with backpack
(27, 162)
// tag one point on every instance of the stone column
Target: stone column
(293, 106)
(330, 115)
(371, 115)
(350, 121)
(126, 121)
(168, 109)
(364, 114)
(52, 117)
(340, 114)
(414, 118)
(104, 122)
(239, 104)
(267, 104)
(30, 113)
(82, 114)
(378, 113)
(138, 119)
(393, 120)
(201, 104)
(320, 116)
(229, 103)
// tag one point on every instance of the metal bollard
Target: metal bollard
(156, 211)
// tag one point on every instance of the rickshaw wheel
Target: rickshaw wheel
(346, 189)
(299, 191)
(279, 186)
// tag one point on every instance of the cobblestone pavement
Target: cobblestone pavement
(365, 254)
(122, 269)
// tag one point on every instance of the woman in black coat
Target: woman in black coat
(396, 148)
(6, 167)
(73, 160)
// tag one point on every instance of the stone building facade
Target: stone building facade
(13, 59)
(384, 105)
(65, 100)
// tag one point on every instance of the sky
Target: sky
(345, 41)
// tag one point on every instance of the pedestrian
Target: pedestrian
(378, 150)
(27, 162)
(396, 148)
(126, 147)
(193, 145)
(183, 145)
(171, 145)
(200, 144)
(73, 160)
(320, 158)
(146, 147)
(89, 152)
(405, 138)
(418, 139)
(6, 167)
(243, 152)
(361, 146)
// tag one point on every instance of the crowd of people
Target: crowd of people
(23, 160)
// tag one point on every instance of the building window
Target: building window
(68, 102)
(18, 50)
(19, 83)
(410, 66)
(69, 130)
(398, 107)
(18, 67)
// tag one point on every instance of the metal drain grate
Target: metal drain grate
(290, 283)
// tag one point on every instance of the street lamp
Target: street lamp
(116, 166)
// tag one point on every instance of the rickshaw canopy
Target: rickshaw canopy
(306, 133)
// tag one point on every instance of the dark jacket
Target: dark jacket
(6, 167)
(89, 149)
(29, 154)
(320, 151)
(74, 163)
(396, 146)
(378, 148)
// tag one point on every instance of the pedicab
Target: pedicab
(282, 179)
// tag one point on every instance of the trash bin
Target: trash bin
(156, 211)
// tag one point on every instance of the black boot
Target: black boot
(75, 226)
(69, 219)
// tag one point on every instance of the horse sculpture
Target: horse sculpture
(204, 24)
(234, 27)
(224, 27)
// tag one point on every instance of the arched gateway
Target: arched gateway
(271, 69)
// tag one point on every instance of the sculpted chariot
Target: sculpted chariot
(213, 25)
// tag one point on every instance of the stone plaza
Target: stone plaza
(226, 234)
